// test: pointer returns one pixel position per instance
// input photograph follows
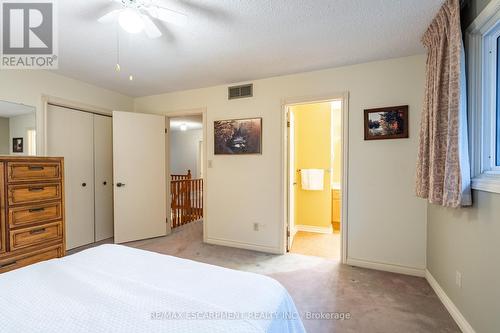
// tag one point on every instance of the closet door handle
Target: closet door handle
(120, 184)
(104, 183)
(84, 184)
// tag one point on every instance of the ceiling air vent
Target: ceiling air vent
(245, 90)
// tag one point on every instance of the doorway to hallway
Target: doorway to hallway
(185, 175)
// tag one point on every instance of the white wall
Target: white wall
(18, 128)
(28, 87)
(387, 223)
(4, 136)
(184, 146)
(466, 240)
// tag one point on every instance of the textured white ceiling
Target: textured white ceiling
(229, 41)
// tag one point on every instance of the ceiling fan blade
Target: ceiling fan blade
(150, 27)
(109, 17)
(167, 15)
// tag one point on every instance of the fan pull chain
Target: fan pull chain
(117, 67)
(118, 58)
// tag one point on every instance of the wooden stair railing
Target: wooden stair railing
(187, 199)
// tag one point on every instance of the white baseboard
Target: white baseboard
(311, 228)
(386, 267)
(449, 305)
(241, 245)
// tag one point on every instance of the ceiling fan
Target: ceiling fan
(136, 16)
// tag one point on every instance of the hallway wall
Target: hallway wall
(184, 150)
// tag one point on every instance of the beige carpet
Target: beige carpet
(377, 301)
(316, 244)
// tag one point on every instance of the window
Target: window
(490, 113)
(498, 104)
(483, 54)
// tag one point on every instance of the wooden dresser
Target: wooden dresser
(32, 210)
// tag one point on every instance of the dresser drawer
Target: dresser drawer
(31, 258)
(41, 213)
(25, 237)
(2, 209)
(2, 234)
(21, 194)
(29, 171)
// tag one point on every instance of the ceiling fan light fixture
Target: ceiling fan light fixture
(131, 21)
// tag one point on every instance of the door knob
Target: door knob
(104, 183)
(120, 184)
(84, 184)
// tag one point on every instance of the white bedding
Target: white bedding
(114, 288)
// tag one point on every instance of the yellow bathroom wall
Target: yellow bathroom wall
(337, 143)
(313, 151)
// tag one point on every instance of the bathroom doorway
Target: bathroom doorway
(315, 178)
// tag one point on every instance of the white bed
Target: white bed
(114, 288)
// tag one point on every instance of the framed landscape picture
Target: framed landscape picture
(386, 123)
(238, 136)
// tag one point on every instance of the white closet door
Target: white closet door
(140, 192)
(103, 168)
(70, 135)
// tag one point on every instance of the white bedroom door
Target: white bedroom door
(140, 188)
(292, 178)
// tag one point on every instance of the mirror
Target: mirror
(17, 129)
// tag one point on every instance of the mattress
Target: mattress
(113, 288)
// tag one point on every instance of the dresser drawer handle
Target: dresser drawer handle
(35, 167)
(37, 231)
(8, 264)
(36, 189)
(34, 210)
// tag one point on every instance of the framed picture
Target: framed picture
(386, 123)
(17, 145)
(238, 136)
